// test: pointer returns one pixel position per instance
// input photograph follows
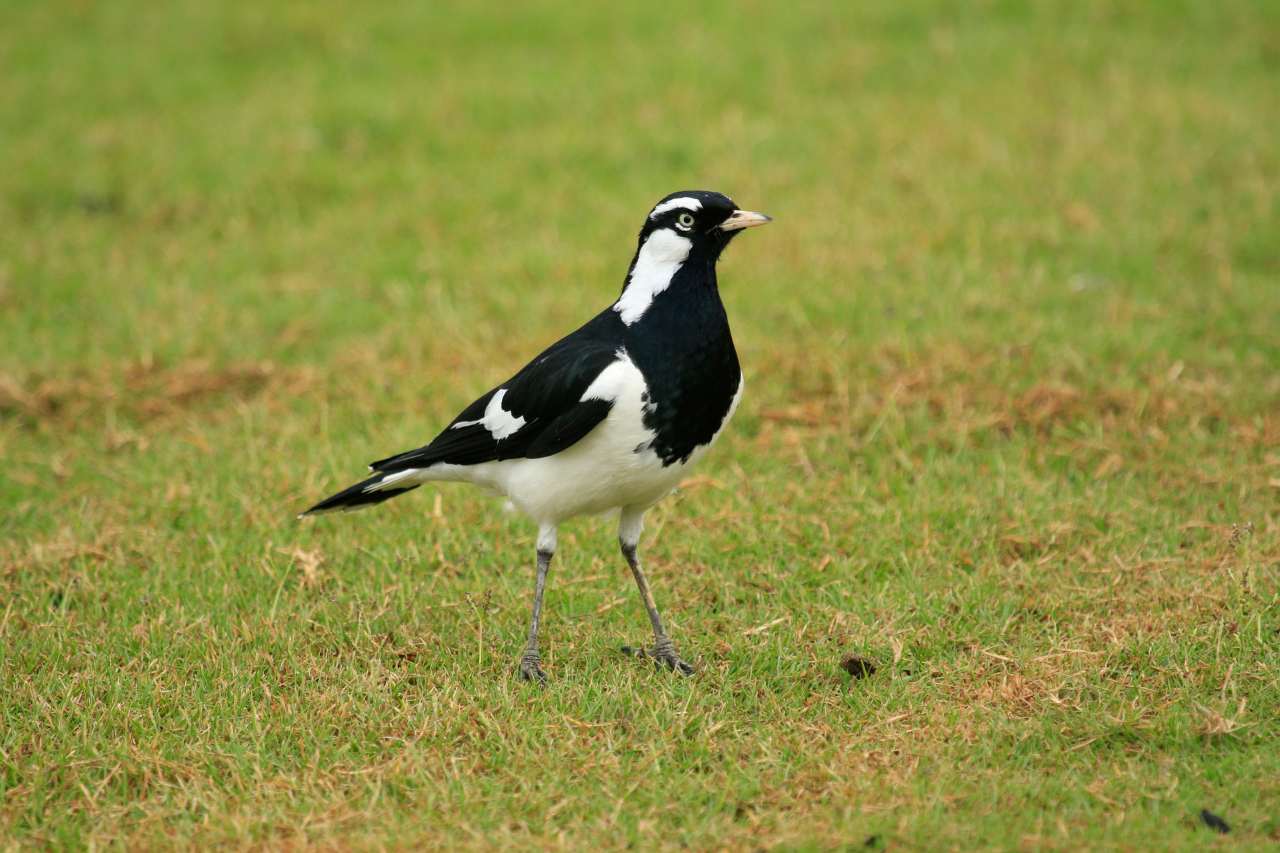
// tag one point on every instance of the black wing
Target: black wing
(547, 394)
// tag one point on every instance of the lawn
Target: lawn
(1011, 429)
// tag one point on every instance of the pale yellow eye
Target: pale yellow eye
(684, 221)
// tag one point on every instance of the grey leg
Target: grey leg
(531, 661)
(663, 651)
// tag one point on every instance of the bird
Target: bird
(609, 418)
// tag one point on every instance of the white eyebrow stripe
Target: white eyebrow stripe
(684, 202)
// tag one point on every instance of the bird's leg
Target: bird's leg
(663, 651)
(531, 661)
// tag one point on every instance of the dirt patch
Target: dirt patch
(858, 666)
(142, 391)
(969, 392)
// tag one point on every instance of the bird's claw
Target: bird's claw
(531, 670)
(662, 654)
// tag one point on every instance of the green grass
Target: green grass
(1012, 427)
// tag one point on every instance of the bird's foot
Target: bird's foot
(662, 653)
(530, 668)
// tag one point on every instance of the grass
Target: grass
(1012, 428)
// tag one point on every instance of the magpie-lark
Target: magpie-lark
(610, 417)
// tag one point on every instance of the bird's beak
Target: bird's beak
(744, 219)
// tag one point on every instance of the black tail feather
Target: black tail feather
(356, 496)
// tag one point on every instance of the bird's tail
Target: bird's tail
(375, 490)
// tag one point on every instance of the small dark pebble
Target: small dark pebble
(1214, 822)
(858, 667)
(100, 204)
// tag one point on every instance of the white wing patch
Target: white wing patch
(659, 259)
(619, 378)
(683, 202)
(498, 421)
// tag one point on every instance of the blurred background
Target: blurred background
(1011, 348)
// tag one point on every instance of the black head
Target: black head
(680, 242)
(707, 219)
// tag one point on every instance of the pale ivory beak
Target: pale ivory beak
(744, 219)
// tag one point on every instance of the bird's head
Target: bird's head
(697, 221)
(680, 241)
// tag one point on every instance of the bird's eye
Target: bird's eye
(684, 221)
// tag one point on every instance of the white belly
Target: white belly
(603, 471)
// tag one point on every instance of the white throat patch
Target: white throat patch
(660, 258)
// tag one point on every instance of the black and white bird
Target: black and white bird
(610, 417)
